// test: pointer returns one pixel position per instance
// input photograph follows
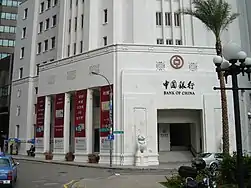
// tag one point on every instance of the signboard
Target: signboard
(80, 144)
(40, 111)
(80, 113)
(59, 116)
(104, 110)
(178, 87)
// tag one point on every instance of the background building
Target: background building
(56, 32)
(8, 21)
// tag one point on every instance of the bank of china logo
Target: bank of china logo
(176, 62)
(160, 66)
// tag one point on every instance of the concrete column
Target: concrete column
(89, 121)
(67, 122)
(47, 122)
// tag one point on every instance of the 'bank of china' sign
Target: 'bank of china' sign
(174, 87)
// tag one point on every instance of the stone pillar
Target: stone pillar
(67, 122)
(47, 123)
(82, 156)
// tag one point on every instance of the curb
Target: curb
(97, 167)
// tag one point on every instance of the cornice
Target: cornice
(128, 48)
(24, 80)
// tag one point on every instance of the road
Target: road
(46, 175)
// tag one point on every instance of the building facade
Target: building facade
(8, 21)
(158, 62)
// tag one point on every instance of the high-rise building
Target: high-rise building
(8, 21)
(159, 65)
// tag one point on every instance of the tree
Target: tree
(216, 16)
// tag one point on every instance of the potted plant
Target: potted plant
(69, 156)
(93, 158)
(48, 155)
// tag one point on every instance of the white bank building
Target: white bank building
(160, 68)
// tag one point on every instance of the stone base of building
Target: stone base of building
(81, 157)
(58, 156)
(39, 155)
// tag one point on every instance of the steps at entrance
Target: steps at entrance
(175, 156)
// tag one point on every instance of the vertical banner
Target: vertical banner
(79, 120)
(105, 116)
(59, 116)
(40, 111)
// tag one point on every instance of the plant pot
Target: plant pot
(93, 158)
(69, 156)
(48, 156)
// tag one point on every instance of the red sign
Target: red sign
(40, 111)
(59, 116)
(80, 111)
(104, 109)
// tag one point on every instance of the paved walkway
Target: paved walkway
(117, 181)
(165, 166)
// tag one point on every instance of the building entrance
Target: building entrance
(180, 137)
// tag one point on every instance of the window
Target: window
(25, 13)
(51, 60)
(178, 42)
(168, 18)
(74, 48)
(76, 23)
(158, 18)
(55, 2)
(54, 20)
(8, 16)
(76, 2)
(169, 41)
(41, 7)
(176, 19)
(48, 4)
(37, 69)
(20, 73)
(39, 48)
(68, 50)
(160, 41)
(105, 41)
(69, 25)
(70, 3)
(81, 46)
(7, 29)
(7, 43)
(17, 131)
(36, 90)
(40, 27)
(22, 53)
(10, 3)
(24, 32)
(4, 55)
(46, 45)
(53, 42)
(105, 16)
(47, 23)
(82, 21)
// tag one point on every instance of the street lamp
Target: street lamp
(236, 62)
(110, 113)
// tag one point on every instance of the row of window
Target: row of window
(10, 3)
(8, 16)
(168, 19)
(46, 45)
(7, 29)
(45, 6)
(76, 23)
(4, 55)
(9, 43)
(46, 26)
(76, 2)
(169, 41)
(81, 48)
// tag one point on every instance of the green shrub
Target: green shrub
(175, 181)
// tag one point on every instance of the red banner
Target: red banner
(104, 110)
(59, 116)
(80, 113)
(40, 111)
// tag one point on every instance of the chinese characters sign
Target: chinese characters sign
(104, 113)
(59, 116)
(80, 111)
(40, 117)
(174, 87)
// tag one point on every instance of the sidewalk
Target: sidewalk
(128, 181)
(166, 166)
